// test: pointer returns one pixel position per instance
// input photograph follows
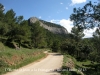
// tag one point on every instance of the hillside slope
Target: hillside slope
(47, 66)
(54, 28)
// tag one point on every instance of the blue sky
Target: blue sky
(56, 11)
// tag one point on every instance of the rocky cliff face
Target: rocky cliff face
(54, 28)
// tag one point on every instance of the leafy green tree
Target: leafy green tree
(21, 34)
(96, 41)
(10, 17)
(77, 34)
(3, 29)
(86, 17)
(49, 38)
(68, 46)
(56, 46)
(10, 20)
(19, 19)
(3, 26)
(1, 7)
(1, 12)
(38, 35)
(96, 34)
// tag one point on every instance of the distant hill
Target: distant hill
(52, 27)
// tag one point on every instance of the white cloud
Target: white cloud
(54, 21)
(89, 33)
(40, 17)
(61, 3)
(66, 7)
(69, 24)
(77, 1)
(65, 23)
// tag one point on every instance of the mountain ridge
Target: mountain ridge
(52, 27)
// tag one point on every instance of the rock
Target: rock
(54, 29)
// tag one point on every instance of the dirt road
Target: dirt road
(47, 66)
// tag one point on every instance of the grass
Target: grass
(70, 63)
(14, 59)
(2, 47)
(69, 70)
(81, 68)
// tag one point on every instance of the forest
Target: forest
(16, 32)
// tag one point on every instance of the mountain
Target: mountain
(52, 27)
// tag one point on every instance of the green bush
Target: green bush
(2, 48)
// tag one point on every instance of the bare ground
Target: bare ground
(47, 66)
(71, 65)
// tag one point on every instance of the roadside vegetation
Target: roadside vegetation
(68, 67)
(21, 42)
(84, 52)
(13, 59)
(73, 67)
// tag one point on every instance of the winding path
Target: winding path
(47, 66)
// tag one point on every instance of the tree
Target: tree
(1, 7)
(96, 41)
(38, 35)
(68, 46)
(22, 32)
(1, 12)
(96, 34)
(10, 18)
(86, 17)
(56, 46)
(77, 33)
(19, 19)
(3, 29)
(19, 32)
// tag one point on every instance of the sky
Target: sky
(55, 11)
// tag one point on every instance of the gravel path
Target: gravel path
(47, 66)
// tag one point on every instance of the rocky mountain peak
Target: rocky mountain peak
(33, 19)
(52, 27)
